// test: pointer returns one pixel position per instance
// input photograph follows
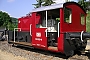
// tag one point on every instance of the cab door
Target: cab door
(39, 39)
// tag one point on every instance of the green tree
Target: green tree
(43, 3)
(4, 19)
(14, 20)
(48, 2)
(39, 3)
(14, 23)
(88, 22)
(83, 3)
(87, 4)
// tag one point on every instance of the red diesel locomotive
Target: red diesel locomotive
(58, 28)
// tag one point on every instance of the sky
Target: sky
(17, 8)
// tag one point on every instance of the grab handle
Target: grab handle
(14, 32)
(58, 28)
(30, 29)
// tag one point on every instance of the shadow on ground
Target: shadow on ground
(48, 53)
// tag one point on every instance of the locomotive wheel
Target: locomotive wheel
(71, 52)
(81, 49)
(83, 46)
(13, 45)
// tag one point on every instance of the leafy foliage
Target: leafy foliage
(12, 26)
(39, 3)
(7, 21)
(14, 20)
(82, 3)
(4, 19)
(88, 22)
(43, 3)
(87, 4)
(48, 2)
(14, 23)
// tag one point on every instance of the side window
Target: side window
(82, 19)
(37, 21)
(58, 19)
(67, 15)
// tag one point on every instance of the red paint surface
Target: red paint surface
(75, 26)
(61, 37)
(41, 41)
(42, 44)
(24, 23)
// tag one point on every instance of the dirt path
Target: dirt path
(8, 56)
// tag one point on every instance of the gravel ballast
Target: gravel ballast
(36, 54)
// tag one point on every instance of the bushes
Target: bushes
(88, 22)
(11, 26)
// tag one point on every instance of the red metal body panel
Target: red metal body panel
(24, 23)
(19, 23)
(75, 26)
(61, 43)
(39, 39)
(61, 37)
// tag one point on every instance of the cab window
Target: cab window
(67, 15)
(82, 19)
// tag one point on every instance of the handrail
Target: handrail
(58, 28)
(46, 32)
(82, 36)
(46, 21)
(14, 32)
(30, 30)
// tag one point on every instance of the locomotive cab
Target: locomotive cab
(52, 25)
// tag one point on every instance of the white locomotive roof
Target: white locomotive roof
(44, 8)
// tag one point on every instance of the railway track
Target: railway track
(37, 54)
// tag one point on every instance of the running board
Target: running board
(51, 48)
(21, 43)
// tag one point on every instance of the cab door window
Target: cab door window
(67, 15)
